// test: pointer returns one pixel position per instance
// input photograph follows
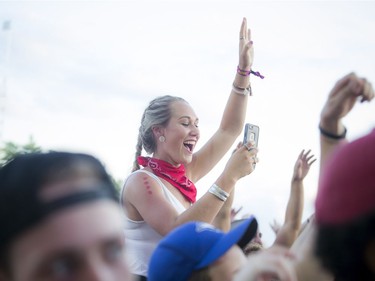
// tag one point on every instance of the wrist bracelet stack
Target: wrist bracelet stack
(218, 192)
(244, 72)
(332, 136)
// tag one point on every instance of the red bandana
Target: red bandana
(174, 175)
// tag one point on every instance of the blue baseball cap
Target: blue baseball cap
(193, 246)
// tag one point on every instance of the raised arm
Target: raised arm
(340, 102)
(223, 220)
(288, 232)
(224, 217)
(234, 114)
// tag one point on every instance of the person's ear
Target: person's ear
(158, 131)
(370, 256)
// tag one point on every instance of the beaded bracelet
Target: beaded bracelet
(242, 91)
(332, 136)
(218, 192)
(244, 72)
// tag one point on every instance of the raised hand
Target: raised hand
(303, 164)
(342, 99)
(242, 162)
(340, 102)
(246, 50)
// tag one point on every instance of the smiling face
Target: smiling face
(181, 135)
(84, 242)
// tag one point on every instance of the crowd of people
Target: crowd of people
(62, 219)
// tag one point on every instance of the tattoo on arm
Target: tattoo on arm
(147, 185)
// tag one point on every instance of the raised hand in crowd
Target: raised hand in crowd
(289, 231)
(340, 102)
(344, 207)
(302, 166)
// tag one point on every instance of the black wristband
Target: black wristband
(332, 136)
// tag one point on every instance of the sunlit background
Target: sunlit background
(77, 75)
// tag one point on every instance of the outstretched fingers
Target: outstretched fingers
(308, 159)
(311, 160)
(246, 50)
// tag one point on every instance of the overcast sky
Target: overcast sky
(77, 76)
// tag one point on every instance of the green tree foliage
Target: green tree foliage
(11, 149)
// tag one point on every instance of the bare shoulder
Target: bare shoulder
(139, 184)
(137, 177)
(141, 190)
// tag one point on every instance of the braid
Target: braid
(138, 152)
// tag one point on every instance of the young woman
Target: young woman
(162, 195)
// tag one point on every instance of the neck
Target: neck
(166, 159)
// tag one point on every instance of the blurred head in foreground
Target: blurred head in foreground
(345, 211)
(59, 220)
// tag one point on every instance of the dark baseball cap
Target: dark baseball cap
(347, 185)
(23, 178)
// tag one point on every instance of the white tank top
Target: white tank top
(140, 238)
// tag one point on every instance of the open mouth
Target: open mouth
(189, 146)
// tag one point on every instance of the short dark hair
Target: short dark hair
(341, 249)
